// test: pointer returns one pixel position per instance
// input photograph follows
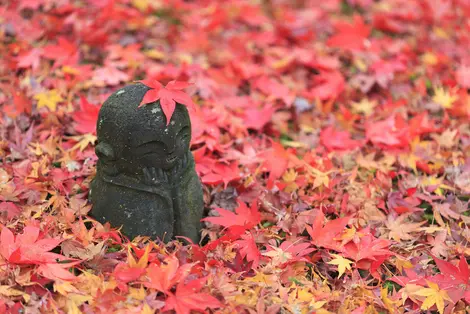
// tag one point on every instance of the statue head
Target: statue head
(131, 139)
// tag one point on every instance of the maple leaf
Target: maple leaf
(338, 140)
(187, 298)
(439, 247)
(248, 248)
(327, 85)
(169, 95)
(444, 98)
(434, 296)
(350, 36)
(48, 99)
(109, 75)
(218, 173)
(57, 271)
(460, 273)
(274, 89)
(244, 216)
(64, 52)
(9, 208)
(164, 276)
(367, 247)
(27, 248)
(287, 252)
(83, 141)
(463, 76)
(86, 118)
(276, 160)
(30, 59)
(391, 132)
(255, 118)
(341, 262)
(325, 235)
(399, 230)
(365, 106)
(22, 103)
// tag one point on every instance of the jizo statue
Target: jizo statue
(145, 179)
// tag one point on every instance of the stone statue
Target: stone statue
(145, 178)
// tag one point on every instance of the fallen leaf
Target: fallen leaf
(169, 95)
(342, 263)
(48, 99)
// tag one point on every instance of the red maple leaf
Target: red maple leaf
(30, 58)
(289, 252)
(10, 209)
(350, 36)
(368, 247)
(338, 140)
(328, 85)
(462, 76)
(325, 235)
(454, 279)
(452, 272)
(57, 271)
(64, 52)
(86, 117)
(125, 273)
(109, 74)
(187, 297)
(247, 248)
(256, 118)
(274, 89)
(244, 216)
(392, 132)
(169, 95)
(164, 276)
(213, 172)
(276, 161)
(27, 248)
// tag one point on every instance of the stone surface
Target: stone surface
(145, 178)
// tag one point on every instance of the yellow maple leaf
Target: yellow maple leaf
(83, 141)
(155, 54)
(143, 261)
(390, 305)
(402, 263)
(429, 58)
(365, 106)
(342, 263)
(261, 278)
(444, 98)
(142, 5)
(290, 175)
(409, 160)
(434, 296)
(48, 99)
(10, 292)
(147, 309)
(74, 301)
(137, 293)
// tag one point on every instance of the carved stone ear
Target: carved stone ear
(106, 156)
(105, 152)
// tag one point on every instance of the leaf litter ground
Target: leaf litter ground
(332, 138)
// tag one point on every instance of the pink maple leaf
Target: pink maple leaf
(169, 95)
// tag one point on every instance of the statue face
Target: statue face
(164, 149)
(157, 145)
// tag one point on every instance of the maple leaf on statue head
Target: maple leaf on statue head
(169, 95)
